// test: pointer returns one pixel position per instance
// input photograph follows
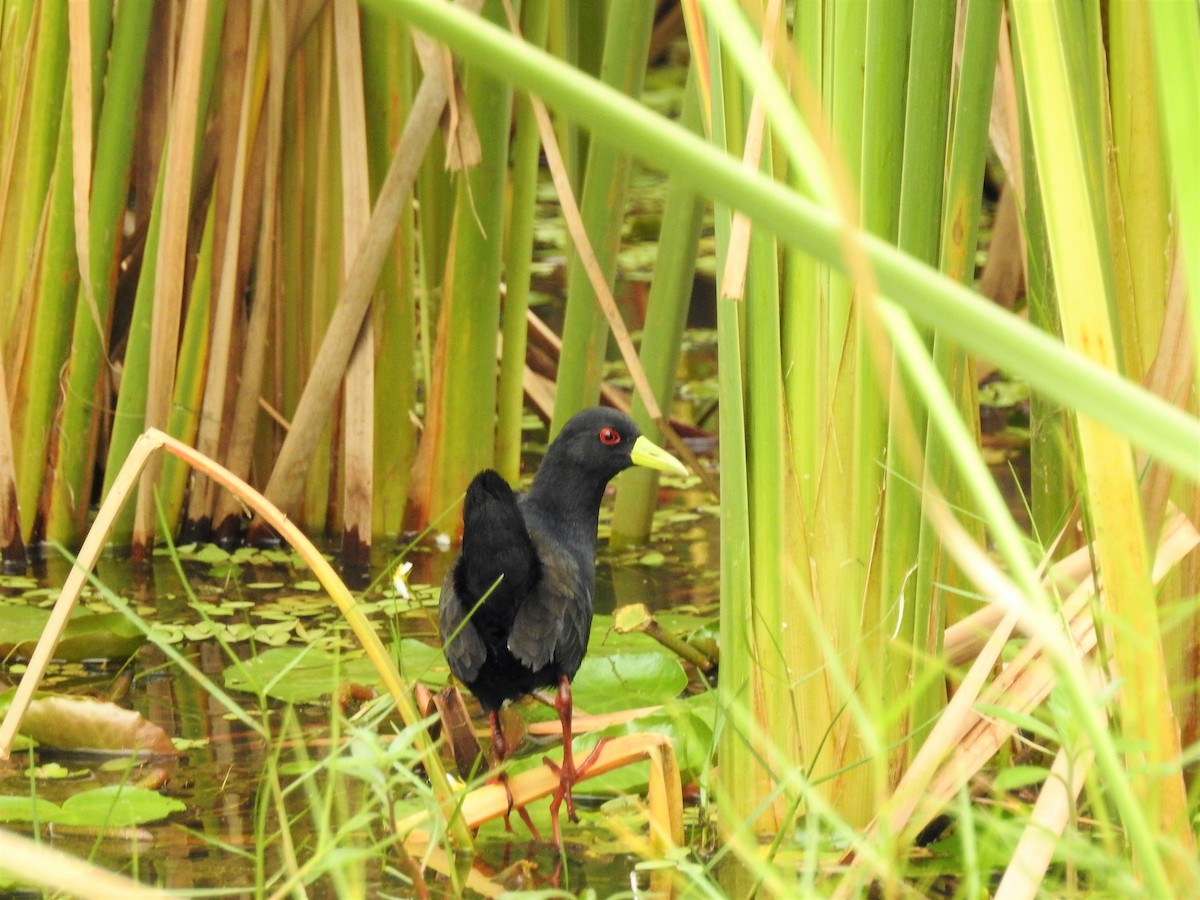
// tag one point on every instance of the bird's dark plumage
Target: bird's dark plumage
(533, 625)
(516, 606)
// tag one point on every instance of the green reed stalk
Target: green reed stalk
(88, 364)
(877, 402)
(460, 420)
(31, 324)
(776, 623)
(435, 200)
(12, 545)
(805, 383)
(388, 64)
(738, 795)
(602, 207)
(1061, 131)
(183, 420)
(1052, 491)
(130, 412)
(966, 157)
(917, 620)
(130, 416)
(526, 152)
(662, 334)
(1177, 67)
(1175, 44)
(574, 26)
(30, 159)
(54, 279)
(14, 54)
(929, 297)
(1142, 180)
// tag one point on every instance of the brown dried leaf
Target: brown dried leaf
(93, 726)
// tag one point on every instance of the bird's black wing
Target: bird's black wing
(553, 622)
(460, 641)
(498, 561)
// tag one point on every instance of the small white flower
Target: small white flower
(400, 580)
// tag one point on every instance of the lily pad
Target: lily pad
(27, 809)
(421, 662)
(53, 771)
(88, 635)
(296, 674)
(306, 674)
(207, 553)
(117, 806)
(627, 681)
(17, 582)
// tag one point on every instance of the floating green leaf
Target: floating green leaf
(56, 772)
(87, 636)
(27, 809)
(109, 807)
(305, 674)
(422, 662)
(207, 553)
(117, 806)
(626, 681)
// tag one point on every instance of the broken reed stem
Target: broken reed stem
(665, 794)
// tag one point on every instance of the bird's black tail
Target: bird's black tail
(496, 543)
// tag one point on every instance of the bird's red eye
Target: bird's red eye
(610, 436)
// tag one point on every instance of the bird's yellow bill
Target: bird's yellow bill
(649, 454)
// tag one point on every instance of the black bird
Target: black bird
(516, 606)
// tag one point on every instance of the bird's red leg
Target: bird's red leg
(568, 772)
(499, 753)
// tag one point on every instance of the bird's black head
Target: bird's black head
(598, 441)
(594, 446)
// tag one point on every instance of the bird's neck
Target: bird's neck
(570, 501)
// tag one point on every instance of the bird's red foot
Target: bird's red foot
(501, 778)
(499, 752)
(569, 775)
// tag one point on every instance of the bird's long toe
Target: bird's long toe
(501, 778)
(569, 775)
